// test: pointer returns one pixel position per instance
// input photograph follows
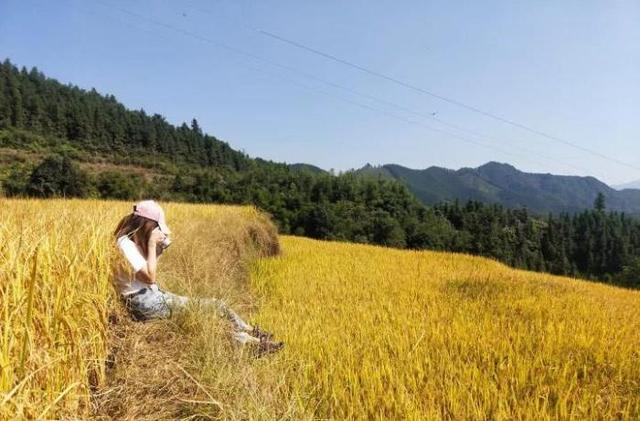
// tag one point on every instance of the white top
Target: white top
(125, 281)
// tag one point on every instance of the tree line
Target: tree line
(592, 244)
(185, 164)
(100, 124)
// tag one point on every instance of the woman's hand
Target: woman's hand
(155, 238)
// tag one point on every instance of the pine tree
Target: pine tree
(600, 203)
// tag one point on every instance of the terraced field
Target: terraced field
(67, 350)
(389, 334)
(371, 333)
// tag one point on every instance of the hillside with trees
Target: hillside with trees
(502, 183)
(61, 140)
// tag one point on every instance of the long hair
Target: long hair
(138, 229)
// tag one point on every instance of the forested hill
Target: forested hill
(58, 139)
(61, 140)
(99, 124)
(504, 184)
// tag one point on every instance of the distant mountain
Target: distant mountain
(502, 183)
(631, 185)
(307, 168)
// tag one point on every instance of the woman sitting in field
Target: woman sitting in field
(142, 236)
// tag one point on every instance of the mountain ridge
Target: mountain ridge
(502, 183)
(632, 185)
(40, 116)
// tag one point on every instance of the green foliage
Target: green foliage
(17, 181)
(58, 176)
(630, 275)
(589, 244)
(116, 185)
(100, 124)
(600, 203)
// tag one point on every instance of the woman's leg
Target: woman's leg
(227, 312)
(178, 301)
(244, 337)
(153, 303)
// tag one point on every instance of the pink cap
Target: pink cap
(151, 209)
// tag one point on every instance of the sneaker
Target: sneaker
(266, 347)
(263, 335)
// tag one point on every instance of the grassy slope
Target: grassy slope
(390, 334)
(370, 332)
(23, 148)
(68, 350)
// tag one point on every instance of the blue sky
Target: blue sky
(567, 68)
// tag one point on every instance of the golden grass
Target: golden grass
(56, 301)
(389, 334)
(371, 332)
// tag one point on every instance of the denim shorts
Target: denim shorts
(149, 303)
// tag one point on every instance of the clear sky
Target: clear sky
(568, 68)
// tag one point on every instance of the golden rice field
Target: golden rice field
(56, 298)
(371, 333)
(388, 334)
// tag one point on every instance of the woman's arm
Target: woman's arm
(148, 274)
(152, 261)
(135, 258)
(144, 276)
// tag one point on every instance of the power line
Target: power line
(332, 84)
(410, 121)
(441, 97)
(391, 115)
(392, 104)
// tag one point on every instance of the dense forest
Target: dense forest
(60, 140)
(593, 244)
